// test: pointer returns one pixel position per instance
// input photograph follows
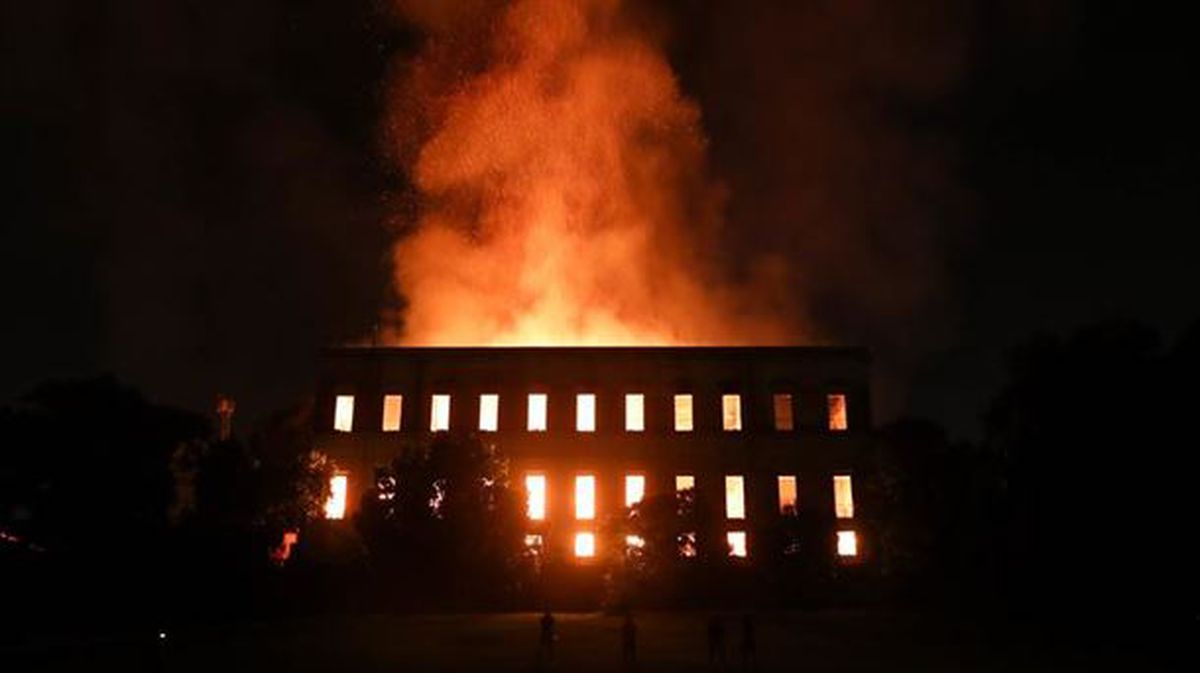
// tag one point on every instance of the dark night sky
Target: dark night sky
(194, 193)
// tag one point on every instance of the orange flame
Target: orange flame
(562, 190)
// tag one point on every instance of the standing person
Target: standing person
(546, 639)
(749, 648)
(629, 641)
(716, 640)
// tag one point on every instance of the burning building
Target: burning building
(758, 432)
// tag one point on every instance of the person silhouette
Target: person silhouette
(749, 648)
(546, 638)
(629, 641)
(716, 640)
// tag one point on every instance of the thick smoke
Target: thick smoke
(562, 188)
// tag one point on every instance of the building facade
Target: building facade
(761, 432)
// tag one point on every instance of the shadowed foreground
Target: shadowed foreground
(828, 641)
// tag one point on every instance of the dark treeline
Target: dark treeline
(1074, 507)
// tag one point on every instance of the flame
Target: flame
(561, 187)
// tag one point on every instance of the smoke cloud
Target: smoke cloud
(562, 188)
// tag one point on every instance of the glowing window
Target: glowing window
(737, 543)
(585, 497)
(843, 496)
(439, 413)
(635, 489)
(535, 497)
(533, 542)
(585, 545)
(634, 541)
(731, 412)
(335, 506)
(635, 412)
(392, 404)
(735, 497)
(787, 494)
(847, 543)
(683, 413)
(783, 412)
(489, 412)
(837, 412)
(687, 544)
(684, 482)
(343, 413)
(585, 412)
(537, 412)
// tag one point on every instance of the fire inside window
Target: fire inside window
(731, 412)
(683, 413)
(343, 413)
(783, 412)
(737, 543)
(843, 496)
(533, 542)
(335, 506)
(735, 497)
(787, 494)
(634, 542)
(635, 412)
(585, 545)
(635, 489)
(535, 497)
(687, 545)
(489, 412)
(847, 543)
(837, 412)
(439, 413)
(537, 412)
(585, 497)
(392, 404)
(585, 412)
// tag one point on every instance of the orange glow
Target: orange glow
(343, 413)
(489, 413)
(783, 412)
(735, 497)
(634, 541)
(687, 545)
(535, 497)
(847, 543)
(439, 413)
(684, 482)
(843, 496)
(392, 404)
(787, 494)
(737, 543)
(585, 412)
(335, 506)
(585, 545)
(837, 412)
(635, 412)
(731, 412)
(683, 413)
(537, 412)
(585, 497)
(533, 543)
(562, 189)
(635, 489)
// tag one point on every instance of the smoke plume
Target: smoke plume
(562, 189)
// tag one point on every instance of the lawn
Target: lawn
(833, 641)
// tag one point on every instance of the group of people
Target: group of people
(717, 649)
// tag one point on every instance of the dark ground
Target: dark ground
(793, 641)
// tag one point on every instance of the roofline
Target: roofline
(852, 352)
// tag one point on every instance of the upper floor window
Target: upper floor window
(731, 412)
(783, 412)
(683, 413)
(635, 489)
(847, 543)
(837, 412)
(335, 505)
(787, 494)
(843, 496)
(585, 412)
(439, 413)
(343, 413)
(489, 412)
(585, 497)
(537, 412)
(635, 412)
(535, 497)
(735, 497)
(392, 406)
